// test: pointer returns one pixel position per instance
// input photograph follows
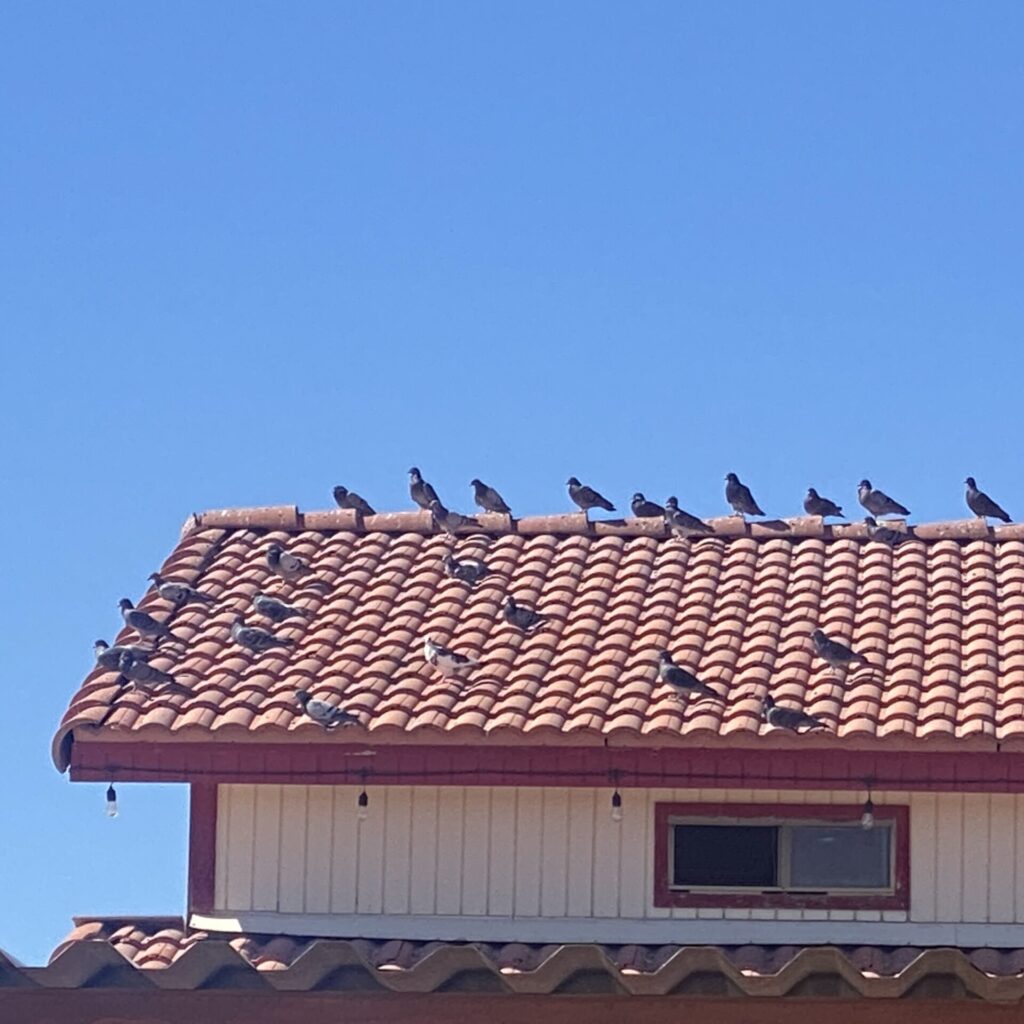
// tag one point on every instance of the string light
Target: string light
(616, 806)
(867, 817)
(111, 801)
(362, 806)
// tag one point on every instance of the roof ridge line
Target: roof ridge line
(289, 519)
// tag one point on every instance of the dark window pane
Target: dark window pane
(725, 855)
(839, 857)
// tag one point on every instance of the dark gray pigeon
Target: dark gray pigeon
(141, 673)
(178, 593)
(586, 497)
(520, 616)
(816, 505)
(256, 639)
(883, 534)
(447, 520)
(143, 623)
(349, 499)
(981, 504)
(447, 662)
(421, 492)
(468, 570)
(878, 503)
(110, 657)
(488, 498)
(738, 495)
(684, 683)
(277, 610)
(788, 718)
(328, 715)
(832, 651)
(680, 522)
(288, 566)
(644, 509)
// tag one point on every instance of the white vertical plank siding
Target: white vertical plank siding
(556, 853)
(266, 865)
(451, 813)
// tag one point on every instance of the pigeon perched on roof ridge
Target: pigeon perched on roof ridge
(816, 505)
(285, 564)
(178, 593)
(644, 509)
(420, 491)
(447, 661)
(982, 505)
(788, 718)
(256, 639)
(884, 534)
(110, 657)
(466, 570)
(324, 712)
(739, 496)
(521, 616)
(447, 520)
(143, 623)
(277, 610)
(878, 503)
(681, 522)
(344, 498)
(835, 653)
(141, 673)
(488, 498)
(586, 497)
(681, 680)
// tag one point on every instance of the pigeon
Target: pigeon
(883, 534)
(468, 570)
(816, 505)
(488, 498)
(290, 567)
(140, 672)
(520, 616)
(644, 509)
(110, 657)
(835, 653)
(256, 639)
(981, 504)
(349, 499)
(681, 523)
(422, 492)
(684, 682)
(879, 503)
(178, 593)
(447, 662)
(322, 711)
(788, 718)
(142, 622)
(447, 520)
(277, 610)
(586, 497)
(738, 495)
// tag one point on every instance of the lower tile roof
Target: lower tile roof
(168, 955)
(941, 618)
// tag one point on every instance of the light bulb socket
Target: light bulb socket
(616, 806)
(362, 806)
(111, 801)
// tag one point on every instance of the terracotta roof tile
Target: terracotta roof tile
(941, 618)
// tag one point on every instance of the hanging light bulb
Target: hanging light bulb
(111, 801)
(616, 806)
(867, 818)
(362, 806)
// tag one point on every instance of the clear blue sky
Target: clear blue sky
(254, 250)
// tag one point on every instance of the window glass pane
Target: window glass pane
(726, 855)
(839, 857)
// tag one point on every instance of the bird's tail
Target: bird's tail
(607, 506)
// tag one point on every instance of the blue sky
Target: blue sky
(251, 251)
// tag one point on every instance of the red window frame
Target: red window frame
(898, 899)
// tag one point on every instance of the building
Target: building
(563, 824)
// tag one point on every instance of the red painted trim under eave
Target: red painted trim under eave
(665, 896)
(626, 767)
(202, 846)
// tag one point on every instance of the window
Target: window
(764, 855)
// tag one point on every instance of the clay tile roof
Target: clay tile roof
(941, 618)
(197, 960)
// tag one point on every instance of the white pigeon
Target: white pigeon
(447, 662)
